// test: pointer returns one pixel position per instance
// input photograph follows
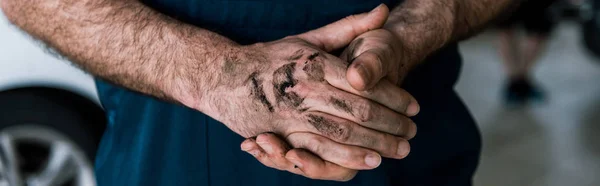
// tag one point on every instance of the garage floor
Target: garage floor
(555, 143)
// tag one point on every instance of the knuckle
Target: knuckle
(335, 130)
(314, 143)
(293, 137)
(338, 132)
(351, 21)
(345, 157)
(313, 139)
(364, 110)
(342, 132)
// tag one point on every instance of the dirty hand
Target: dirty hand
(335, 129)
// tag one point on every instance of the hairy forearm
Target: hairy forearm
(427, 25)
(125, 42)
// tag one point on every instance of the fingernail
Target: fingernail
(373, 160)
(403, 149)
(296, 163)
(413, 109)
(246, 146)
(363, 72)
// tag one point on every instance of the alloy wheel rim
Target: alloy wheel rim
(64, 163)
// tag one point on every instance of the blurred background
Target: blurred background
(547, 141)
(539, 114)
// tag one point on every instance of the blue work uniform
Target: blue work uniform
(151, 142)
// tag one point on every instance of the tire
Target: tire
(67, 116)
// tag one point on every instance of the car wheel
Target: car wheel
(48, 137)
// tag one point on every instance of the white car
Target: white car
(50, 118)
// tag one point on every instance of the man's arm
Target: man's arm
(124, 42)
(425, 26)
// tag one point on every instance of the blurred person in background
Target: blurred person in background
(520, 53)
(182, 94)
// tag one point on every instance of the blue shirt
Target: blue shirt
(151, 142)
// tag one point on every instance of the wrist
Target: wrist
(208, 82)
(409, 54)
(422, 26)
(197, 71)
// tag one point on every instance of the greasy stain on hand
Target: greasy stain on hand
(297, 55)
(257, 92)
(341, 105)
(283, 78)
(314, 71)
(313, 56)
(314, 68)
(228, 67)
(326, 127)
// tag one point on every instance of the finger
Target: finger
(324, 67)
(255, 150)
(275, 150)
(342, 32)
(361, 111)
(348, 156)
(251, 147)
(384, 92)
(315, 168)
(346, 132)
(368, 69)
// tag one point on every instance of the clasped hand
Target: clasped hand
(318, 115)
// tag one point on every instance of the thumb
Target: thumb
(342, 32)
(367, 69)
